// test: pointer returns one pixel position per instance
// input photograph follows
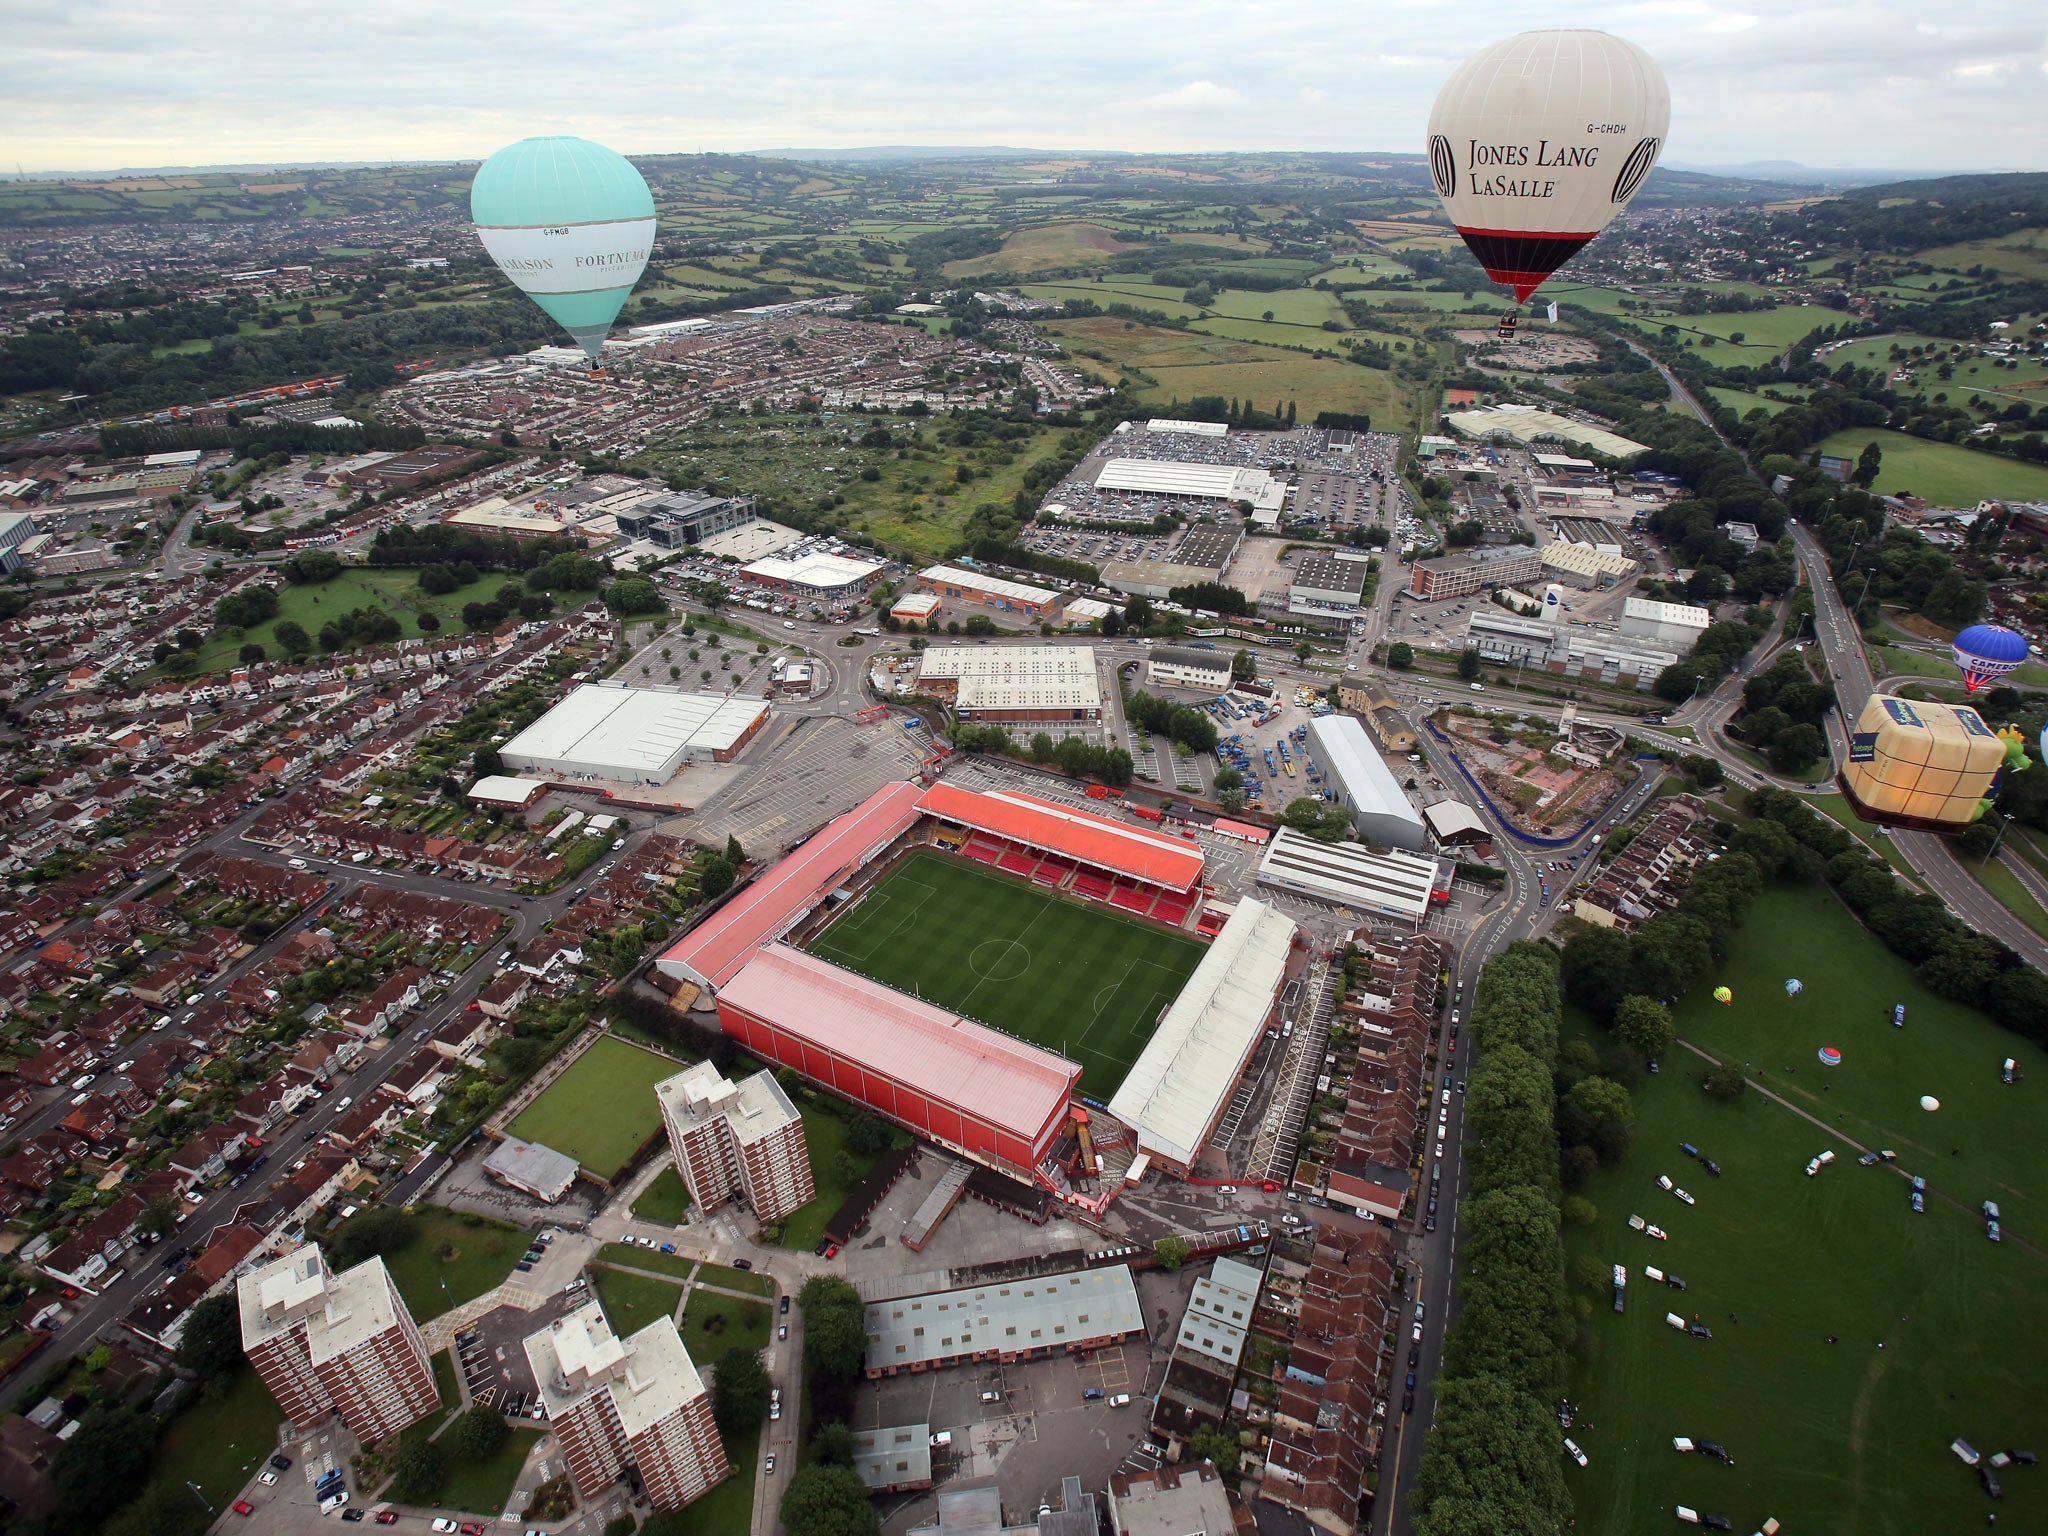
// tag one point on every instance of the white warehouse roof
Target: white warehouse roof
(1016, 676)
(1174, 1091)
(1394, 884)
(1192, 428)
(825, 573)
(982, 581)
(1369, 787)
(1649, 609)
(603, 731)
(1170, 477)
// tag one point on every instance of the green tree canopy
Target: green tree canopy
(1644, 1024)
(211, 1344)
(826, 1500)
(739, 1391)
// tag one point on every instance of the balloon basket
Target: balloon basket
(1505, 330)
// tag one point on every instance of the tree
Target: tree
(291, 638)
(1670, 952)
(212, 1342)
(1703, 771)
(1400, 656)
(833, 1445)
(1579, 1211)
(715, 876)
(417, 1473)
(1868, 462)
(866, 1134)
(828, 1501)
(634, 594)
(369, 1234)
(103, 1465)
(1171, 1252)
(735, 855)
(159, 1214)
(312, 566)
(1210, 1444)
(1795, 748)
(1644, 1024)
(251, 653)
(167, 1509)
(739, 1391)
(835, 1325)
(479, 1434)
(1244, 666)
(1468, 664)
(1724, 1082)
(1596, 968)
(487, 763)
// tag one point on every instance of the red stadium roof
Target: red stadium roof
(1158, 858)
(713, 951)
(1010, 1085)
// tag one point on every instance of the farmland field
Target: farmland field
(1942, 473)
(1072, 978)
(1933, 1325)
(601, 1109)
(1043, 247)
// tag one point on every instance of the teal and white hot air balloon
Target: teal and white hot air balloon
(571, 223)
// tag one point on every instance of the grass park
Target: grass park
(665, 1200)
(1072, 978)
(397, 592)
(451, 1258)
(634, 1301)
(216, 1443)
(602, 1109)
(1936, 1327)
(1942, 473)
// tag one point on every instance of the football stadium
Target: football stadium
(971, 964)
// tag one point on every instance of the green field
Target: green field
(482, 1487)
(1073, 978)
(665, 1200)
(447, 1261)
(824, 1139)
(395, 592)
(631, 1302)
(219, 1442)
(602, 1109)
(1847, 1437)
(714, 1324)
(1942, 473)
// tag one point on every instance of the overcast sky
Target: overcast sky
(99, 84)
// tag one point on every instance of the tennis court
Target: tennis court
(1075, 979)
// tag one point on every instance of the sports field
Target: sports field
(1076, 979)
(602, 1108)
(1937, 1329)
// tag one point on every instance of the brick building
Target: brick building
(617, 1403)
(742, 1141)
(343, 1342)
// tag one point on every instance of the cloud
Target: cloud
(103, 84)
(1195, 96)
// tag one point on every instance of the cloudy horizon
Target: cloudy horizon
(112, 85)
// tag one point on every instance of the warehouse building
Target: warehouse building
(918, 608)
(1393, 885)
(819, 577)
(681, 518)
(1480, 570)
(1586, 566)
(990, 591)
(896, 1458)
(16, 529)
(1153, 578)
(1202, 1370)
(713, 951)
(608, 732)
(1364, 785)
(1678, 625)
(1569, 650)
(1178, 1088)
(1171, 667)
(1013, 682)
(1210, 545)
(1028, 1319)
(1527, 425)
(1328, 586)
(507, 793)
(1187, 428)
(998, 1101)
(1172, 478)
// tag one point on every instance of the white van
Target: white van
(296, 863)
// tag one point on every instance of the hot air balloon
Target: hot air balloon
(1723, 996)
(1929, 1102)
(1794, 986)
(1986, 652)
(1921, 764)
(1830, 1057)
(571, 223)
(1537, 141)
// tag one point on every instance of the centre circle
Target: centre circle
(999, 960)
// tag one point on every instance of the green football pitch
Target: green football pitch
(1075, 979)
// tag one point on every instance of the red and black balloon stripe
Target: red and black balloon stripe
(1520, 258)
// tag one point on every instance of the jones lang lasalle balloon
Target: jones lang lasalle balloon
(1537, 141)
(571, 223)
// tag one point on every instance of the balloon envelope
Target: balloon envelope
(1537, 141)
(1830, 1057)
(1723, 995)
(571, 223)
(1985, 652)
(1929, 1102)
(1794, 986)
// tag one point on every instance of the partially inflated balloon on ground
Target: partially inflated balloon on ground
(1723, 995)
(1537, 141)
(571, 223)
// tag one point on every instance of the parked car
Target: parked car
(282, 1462)
(243, 1507)
(387, 1517)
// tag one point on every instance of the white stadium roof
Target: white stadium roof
(603, 731)
(1174, 1090)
